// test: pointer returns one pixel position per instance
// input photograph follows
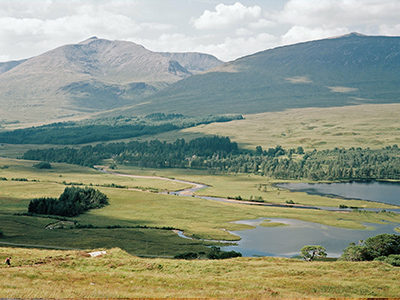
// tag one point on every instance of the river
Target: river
(287, 241)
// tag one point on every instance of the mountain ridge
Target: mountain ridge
(346, 70)
(90, 76)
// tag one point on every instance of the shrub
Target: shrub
(392, 259)
(187, 255)
(42, 165)
(217, 253)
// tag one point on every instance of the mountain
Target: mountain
(194, 62)
(6, 66)
(91, 76)
(345, 70)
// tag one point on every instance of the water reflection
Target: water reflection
(288, 240)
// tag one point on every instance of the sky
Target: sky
(226, 29)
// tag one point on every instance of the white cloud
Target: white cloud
(338, 13)
(391, 30)
(233, 48)
(227, 15)
(262, 23)
(300, 33)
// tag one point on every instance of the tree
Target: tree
(309, 252)
(354, 253)
(382, 245)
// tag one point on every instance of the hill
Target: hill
(115, 274)
(346, 70)
(91, 76)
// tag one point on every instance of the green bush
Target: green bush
(42, 165)
(392, 259)
(217, 253)
(187, 255)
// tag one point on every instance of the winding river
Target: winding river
(286, 241)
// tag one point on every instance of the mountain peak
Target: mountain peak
(89, 40)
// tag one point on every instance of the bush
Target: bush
(187, 255)
(217, 253)
(392, 259)
(382, 245)
(42, 165)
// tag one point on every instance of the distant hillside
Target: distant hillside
(91, 76)
(347, 70)
(6, 66)
(194, 62)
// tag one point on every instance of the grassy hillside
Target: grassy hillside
(348, 70)
(74, 274)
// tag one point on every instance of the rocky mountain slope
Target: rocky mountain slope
(92, 76)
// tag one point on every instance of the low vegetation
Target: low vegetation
(116, 274)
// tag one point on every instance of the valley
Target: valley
(141, 126)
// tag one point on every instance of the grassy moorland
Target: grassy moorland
(74, 274)
(373, 125)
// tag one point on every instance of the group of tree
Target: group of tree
(107, 129)
(221, 155)
(383, 247)
(215, 253)
(72, 202)
(157, 154)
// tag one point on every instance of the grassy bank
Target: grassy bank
(73, 274)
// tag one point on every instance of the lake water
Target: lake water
(287, 241)
(385, 192)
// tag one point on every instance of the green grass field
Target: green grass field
(140, 204)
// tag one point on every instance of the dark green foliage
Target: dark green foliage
(392, 259)
(73, 133)
(19, 179)
(42, 165)
(187, 255)
(144, 154)
(220, 155)
(382, 245)
(72, 202)
(217, 253)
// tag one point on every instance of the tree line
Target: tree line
(107, 129)
(221, 155)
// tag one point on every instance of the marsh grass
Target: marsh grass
(73, 274)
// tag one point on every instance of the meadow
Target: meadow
(372, 125)
(142, 213)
